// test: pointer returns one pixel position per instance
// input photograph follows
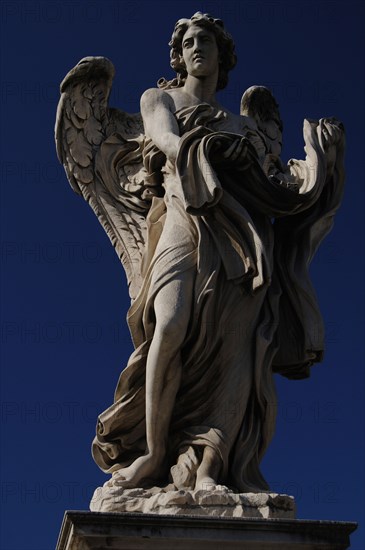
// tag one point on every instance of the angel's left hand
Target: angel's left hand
(235, 150)
(331, 131)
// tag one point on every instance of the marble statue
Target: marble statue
(216, 235)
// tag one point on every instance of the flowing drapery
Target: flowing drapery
(253, 308)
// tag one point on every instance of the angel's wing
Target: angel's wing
(101, 151)
(258, 103)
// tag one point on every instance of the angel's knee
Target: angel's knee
(170, 331)
(172, 312)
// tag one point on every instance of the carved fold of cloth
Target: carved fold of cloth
(253, 310)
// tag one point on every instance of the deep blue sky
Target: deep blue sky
(64, 298)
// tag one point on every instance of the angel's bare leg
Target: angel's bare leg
(163, 373)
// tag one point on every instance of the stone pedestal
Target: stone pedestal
(128, 531)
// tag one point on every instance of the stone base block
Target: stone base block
(127, 531)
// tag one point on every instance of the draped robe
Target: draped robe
(253, 309)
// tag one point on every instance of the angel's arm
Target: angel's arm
(159, 121)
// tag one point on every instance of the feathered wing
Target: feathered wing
(259, 104)
(101, 151)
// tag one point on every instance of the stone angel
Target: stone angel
(216, 235)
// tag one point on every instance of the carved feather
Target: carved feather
(100, 149)
(258, 103)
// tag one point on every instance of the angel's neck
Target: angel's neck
(202, 89)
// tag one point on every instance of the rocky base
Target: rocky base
(218, 502)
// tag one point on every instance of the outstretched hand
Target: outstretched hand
(331, 133)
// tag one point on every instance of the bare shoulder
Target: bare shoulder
(154, 97)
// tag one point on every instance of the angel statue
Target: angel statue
(216, 235)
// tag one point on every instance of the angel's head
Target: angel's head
(227, 57)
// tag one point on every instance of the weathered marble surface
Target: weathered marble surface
(219, 501)
(216, 234)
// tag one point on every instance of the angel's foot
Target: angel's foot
(206, 484)
(208, 471)
(144, 467)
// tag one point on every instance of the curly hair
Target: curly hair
(225, 45)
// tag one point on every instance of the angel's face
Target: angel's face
(200, 52)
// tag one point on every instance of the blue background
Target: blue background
(64, 297)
